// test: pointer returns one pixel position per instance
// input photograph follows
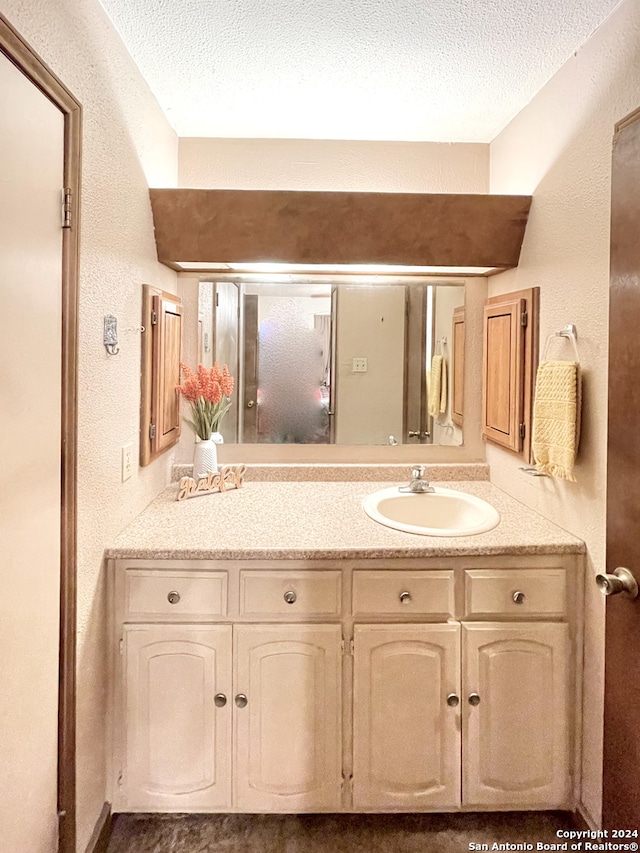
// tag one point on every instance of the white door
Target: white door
(288, 711)
(406, 735)
(31, 181)
(177, 717)
(516, 726)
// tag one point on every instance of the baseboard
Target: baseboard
(583, 819)
(101, 834)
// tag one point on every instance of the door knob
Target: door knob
(405, 597)
(173, 597)
(474, 699)
(241, 700)
(453, 700)
(250, 404)
(290, 596)
(220, 700)
(620, 581)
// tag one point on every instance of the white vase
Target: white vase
(205, 458)
(205, 455)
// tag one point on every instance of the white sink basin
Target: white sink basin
(444, 512)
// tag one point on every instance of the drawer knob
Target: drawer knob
(453, 700)
(474, 699)
(290, 597)
(220, 700)
(405, 597)
(174, 598)
(518, 597)
(241, 700)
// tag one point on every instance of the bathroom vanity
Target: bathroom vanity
(275, 650)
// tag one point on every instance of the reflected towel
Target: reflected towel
(435, 385)
(556, 418)
(443, 387)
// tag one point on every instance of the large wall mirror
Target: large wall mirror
(337, 362)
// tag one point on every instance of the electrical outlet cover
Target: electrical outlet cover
(127, 461)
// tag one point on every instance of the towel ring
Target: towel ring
(568, 332)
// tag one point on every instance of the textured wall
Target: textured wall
(559, 148)
(127, 145)
(312, 164)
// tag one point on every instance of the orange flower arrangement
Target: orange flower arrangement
(209, 391)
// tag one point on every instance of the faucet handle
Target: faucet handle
(417, 472)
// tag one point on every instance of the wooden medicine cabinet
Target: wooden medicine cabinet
(161, 349)
(510, 356)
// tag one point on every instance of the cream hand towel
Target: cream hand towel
(435, 385)
(556, 418)
(443, 387)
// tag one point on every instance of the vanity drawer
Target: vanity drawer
(286, 594)
(493, 593)
(153, 594)
(381, 593)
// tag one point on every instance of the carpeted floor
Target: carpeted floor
(437, 833)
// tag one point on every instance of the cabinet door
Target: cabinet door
(288, 735)
(161, 352)
(406, 736)
(178, 742)
(516, 739)
(502, 378)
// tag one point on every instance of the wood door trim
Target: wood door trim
(16, 49)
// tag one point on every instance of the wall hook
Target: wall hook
(110, 339)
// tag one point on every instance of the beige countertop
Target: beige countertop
(319, 520)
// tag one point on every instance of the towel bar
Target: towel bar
(568, 332)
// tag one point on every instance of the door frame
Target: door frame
(16, 49)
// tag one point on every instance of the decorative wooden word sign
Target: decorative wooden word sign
(215, 481)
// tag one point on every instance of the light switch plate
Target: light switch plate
(359, 365)
(127, 461)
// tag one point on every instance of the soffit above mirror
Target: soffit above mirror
(457, 234)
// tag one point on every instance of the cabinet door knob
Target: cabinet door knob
(405, 597)
(518, 597)
(453, 700)
(241, 700)
(290, 596)
(474, 699)
(220, 700)
(173, 597)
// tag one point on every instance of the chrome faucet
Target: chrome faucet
(418, 485)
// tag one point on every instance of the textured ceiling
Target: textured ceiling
(414, 70)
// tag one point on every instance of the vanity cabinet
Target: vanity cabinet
(177, 744)
(406, 747)
(338, 685)
(515, 733)
(287, 750)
